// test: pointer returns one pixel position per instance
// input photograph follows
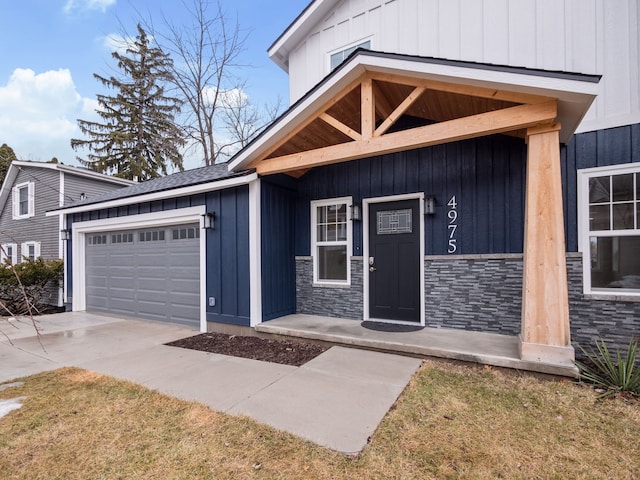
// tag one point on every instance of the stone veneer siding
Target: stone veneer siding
(480, 293)
(341, 301)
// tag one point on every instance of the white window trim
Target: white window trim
(314, 244)
(16, 200)
(347, 47)
(24, 250)
(14, 253)
(583, 226)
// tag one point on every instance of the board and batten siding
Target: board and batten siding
(583, 36)
(486, 176)
(39, 228)
(227, 260)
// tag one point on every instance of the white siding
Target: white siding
(584, 36)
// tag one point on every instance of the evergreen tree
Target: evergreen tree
(7, 155)
(137, 137)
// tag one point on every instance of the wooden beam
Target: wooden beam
(301, 125)
(473, 91)
(338, 125)
(383, 107)
(499, 121)
(367, 108)
(399, 111)
(545, 334)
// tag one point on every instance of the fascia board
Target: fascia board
(150, 197)
(298, 30)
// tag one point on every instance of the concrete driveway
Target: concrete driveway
(336, 400)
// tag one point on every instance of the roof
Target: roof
(17, 165)
(295, 32)
(204, 176)
(574, 93)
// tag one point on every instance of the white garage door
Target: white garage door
(152, 273)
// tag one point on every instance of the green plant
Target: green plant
(26, 288)
(619, 374)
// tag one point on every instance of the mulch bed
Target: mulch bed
(275, 351)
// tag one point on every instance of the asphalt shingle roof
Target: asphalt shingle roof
(187, 178)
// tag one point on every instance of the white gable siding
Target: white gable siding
(585, 36)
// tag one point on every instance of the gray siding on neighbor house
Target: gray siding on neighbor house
(38, 228)
(75, 185)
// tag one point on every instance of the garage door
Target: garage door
(152, 273)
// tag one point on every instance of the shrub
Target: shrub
(27, 288)
(619, 374)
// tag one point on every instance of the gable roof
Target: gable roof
(180, 183)
(435, 90)
(296, 31)
(17, 165)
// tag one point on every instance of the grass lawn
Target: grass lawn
(452, 421)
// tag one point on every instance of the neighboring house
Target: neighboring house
(32, 188)
(478, 168)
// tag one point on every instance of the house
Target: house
(460, 165)
(28, 191)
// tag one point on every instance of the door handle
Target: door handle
(372, 269)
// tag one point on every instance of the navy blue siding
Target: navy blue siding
(613, 146)
(228, 256)
(227, 247)
(278, 240)
(486, 175)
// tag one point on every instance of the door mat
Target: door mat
(390, 327)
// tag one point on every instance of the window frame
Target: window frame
(30, 186)
(24, 247)
(585, 233)
(14, 253)
(353, 45)
(315, 244)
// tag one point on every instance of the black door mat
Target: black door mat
(390, 327)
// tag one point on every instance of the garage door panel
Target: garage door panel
(158, 280)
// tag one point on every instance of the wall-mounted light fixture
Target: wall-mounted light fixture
(209, 220)
(355, 212)
(429, 205)
(65, 234)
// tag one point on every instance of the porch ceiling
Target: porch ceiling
(383, 105)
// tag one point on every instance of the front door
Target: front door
(394, 260)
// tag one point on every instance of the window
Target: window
(30, 250)
(23, 201)
(610, 229)
(122, 238)
(152, 236)
(185, 233)
(338, 57)
(9, 252)
(97, 239)
(331, 241)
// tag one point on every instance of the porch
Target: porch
(476, 347)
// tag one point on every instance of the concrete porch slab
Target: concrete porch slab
(476, 347)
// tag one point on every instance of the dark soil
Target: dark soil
(275, 351)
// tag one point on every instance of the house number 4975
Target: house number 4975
(453, 224)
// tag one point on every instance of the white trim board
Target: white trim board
(145, 220)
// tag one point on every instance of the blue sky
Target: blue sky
(49, 50)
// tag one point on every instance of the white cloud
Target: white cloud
(38, 114)
(116, 42)
(100, 5)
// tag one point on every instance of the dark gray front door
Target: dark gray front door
(394, 260)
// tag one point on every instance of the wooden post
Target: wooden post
(545, 334)
(368, 109)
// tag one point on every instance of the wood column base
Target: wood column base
(550, 354)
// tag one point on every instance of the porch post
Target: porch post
(545, 333)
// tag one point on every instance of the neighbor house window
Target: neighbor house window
(9, 252)
(610, 233)
(338, 57)
(30, 250)
(331, 240)
(23, 201)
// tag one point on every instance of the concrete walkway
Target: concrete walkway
(336, 400)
